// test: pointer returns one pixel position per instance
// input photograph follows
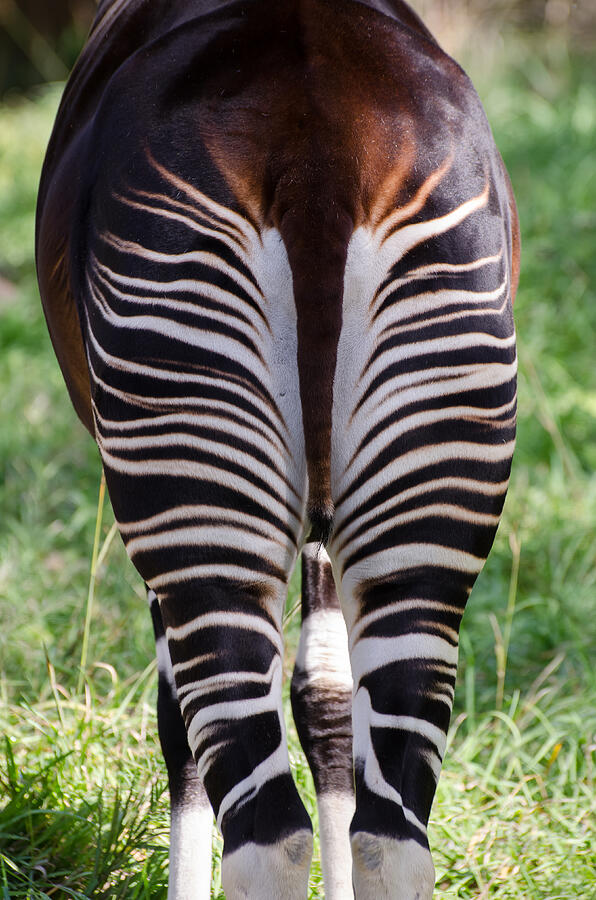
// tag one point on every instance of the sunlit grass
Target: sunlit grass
(83, 811)
(83, 808)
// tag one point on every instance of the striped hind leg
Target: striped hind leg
(404, 644)
(226, 648)
(321, 694)
(192, 348)
(404, 590)
(424, 429)
(191, 817)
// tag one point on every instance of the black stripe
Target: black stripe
(476, 470)
(484, 398)
(478, 355)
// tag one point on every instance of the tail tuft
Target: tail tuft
(321, 521)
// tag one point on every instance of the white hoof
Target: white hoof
(272, 872)
(386, 869)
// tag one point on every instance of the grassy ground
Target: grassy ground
(83, 812)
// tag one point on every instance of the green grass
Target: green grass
(83, 807)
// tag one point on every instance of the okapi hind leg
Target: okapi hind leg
(191, 816)
(225, 642)
(404, 646)
(321, 694)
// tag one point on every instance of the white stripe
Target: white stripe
(211, 535)
(162, 297)
(232, 243)
(200, 257)
(489, 313)
(410, 723)
(373, 653)
(440, 268)
(447, 511)
(221, 212)
(193, 690)
(434, 346)
(193, 662)
(183, 468)
(220, 515)
(392, 248)
(275, 764)
(428, 385)
(202, 337)
(222, 570)
(196, 212)
(226, 620)
(392, 609)
(161, 403)
(480, 488)
(386, 563)
(392, 433)
(364, 753)
(207, 414)
(425, 456)
(402, 213)
(423, 304)
(223, 452)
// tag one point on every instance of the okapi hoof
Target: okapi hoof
(388, 869)
(269, 872)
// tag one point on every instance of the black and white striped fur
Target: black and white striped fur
(277, 251)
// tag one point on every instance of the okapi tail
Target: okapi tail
(316, 237)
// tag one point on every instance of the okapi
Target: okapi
(277, 251)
